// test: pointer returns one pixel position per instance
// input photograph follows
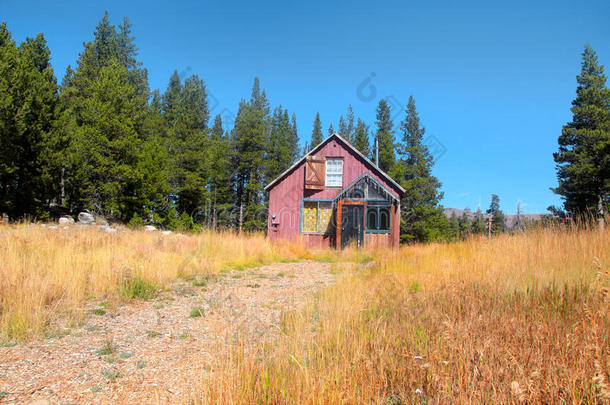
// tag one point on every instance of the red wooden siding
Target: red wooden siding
(285, 198)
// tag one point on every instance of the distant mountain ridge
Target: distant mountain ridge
(511, 219)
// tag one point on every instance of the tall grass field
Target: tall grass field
(521, 318)
(512, 319)
(46, 273)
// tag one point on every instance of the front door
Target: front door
(352, 224)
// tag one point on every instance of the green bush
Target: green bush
(136, 222)
(180, 223)
(197, 312)
(139, 288)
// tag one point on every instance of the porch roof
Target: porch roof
(369, 180)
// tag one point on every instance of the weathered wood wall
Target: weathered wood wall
(285, 198)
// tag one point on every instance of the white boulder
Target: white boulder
(66, 220)
(85, 218)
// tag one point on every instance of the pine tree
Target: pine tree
(478, 226)
(105, 144)
(465, 222)
(294, 139)
(28, 96)
(497, 217)
(111, 164)
(220, 176)
(331, 130)
(188, 149)
(316, 134)
(350, 128)
(422, 217)
(385, 136)
(343, 128)
(249, 138)
(9, 156)
(346, 125)
(127, 53)
(454, 226)
(583, 160)
(283, 144)
(361, 138)
(172, 99)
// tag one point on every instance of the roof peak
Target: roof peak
(350, 147)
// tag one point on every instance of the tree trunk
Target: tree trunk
(214, 211)
(62, 187)
(601, 215)
(241, 215)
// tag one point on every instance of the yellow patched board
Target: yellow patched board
(310, 216)
(325, 212)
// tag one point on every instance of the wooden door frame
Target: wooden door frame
(340, 205)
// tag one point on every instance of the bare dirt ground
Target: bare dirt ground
(154, 351)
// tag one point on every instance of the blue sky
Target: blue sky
(493, 82)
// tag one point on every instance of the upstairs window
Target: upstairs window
(334, 172)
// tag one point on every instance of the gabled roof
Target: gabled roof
(366, 177)
(348, 146)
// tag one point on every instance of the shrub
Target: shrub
(197, 312)
(139, 288)
(136, 222)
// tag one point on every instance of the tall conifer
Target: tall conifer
(422, 217)
(361, 138)
(385, 136)
(316, 134)
(583, 159)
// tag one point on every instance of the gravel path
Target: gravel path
(153, 351)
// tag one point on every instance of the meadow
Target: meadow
(49, 273)
(514, 318)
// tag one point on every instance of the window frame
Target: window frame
(317, 201)
(378, 209)
(333, 159)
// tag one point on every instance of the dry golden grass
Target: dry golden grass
(521, 318)
(48, 273)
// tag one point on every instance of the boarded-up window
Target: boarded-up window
(325, 212)
(310, 216)
(317, 216)
(315, 169)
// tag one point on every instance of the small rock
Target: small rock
(149, 228)
(66, 220)
(109, 230)
(52, 227)
(166, 232)
(85, 218)
(102, 222)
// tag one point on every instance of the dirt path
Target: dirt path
(152, 351)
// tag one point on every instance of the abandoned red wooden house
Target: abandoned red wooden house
(335, 184)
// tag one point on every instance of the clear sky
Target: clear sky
(493, 82)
